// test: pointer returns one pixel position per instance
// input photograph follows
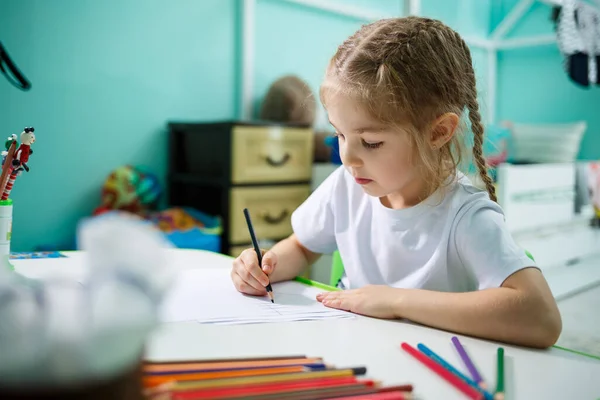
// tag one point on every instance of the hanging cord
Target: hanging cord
(15, 77)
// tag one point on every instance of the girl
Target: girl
(417, 239)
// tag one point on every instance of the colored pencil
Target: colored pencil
(265, 386)
(220, 360)
(314, 393)
(398, 395)
(279, 390)
(443, 373)
(427, 351)
(365, 391)
(294, 390)
(316, 284)
(155, 380)
(212, 365)
(468, 363)
(257, 250)
(499, 395)
(303, 390)
(229, 382)
(311, 367)
(361, 388)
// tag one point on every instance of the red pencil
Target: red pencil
(379, 396)
(443, 372)
(267, 388)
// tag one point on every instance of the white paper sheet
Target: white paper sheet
(208, 296)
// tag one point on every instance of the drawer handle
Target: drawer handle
(278, 163)
(274, 220)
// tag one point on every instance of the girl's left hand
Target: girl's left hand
(379, 301)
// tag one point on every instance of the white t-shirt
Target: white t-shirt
(454, 241)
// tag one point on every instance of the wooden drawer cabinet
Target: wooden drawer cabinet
(262, 155)
(222, 168)
(270, 209)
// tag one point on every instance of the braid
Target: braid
(476, 126)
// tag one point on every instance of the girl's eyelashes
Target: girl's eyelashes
(367, 145)
(374, 145)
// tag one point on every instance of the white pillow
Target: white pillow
(548, 143)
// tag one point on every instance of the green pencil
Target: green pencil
(315, 284)
(499, 395)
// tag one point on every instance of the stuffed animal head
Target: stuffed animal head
(27, 136)
(289, 100)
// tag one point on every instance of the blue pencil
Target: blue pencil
(428, 352)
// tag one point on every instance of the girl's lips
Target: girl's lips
(362, 181)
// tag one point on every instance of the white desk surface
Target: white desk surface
(530, 374)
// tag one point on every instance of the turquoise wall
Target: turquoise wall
(106, 77)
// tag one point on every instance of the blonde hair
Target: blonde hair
(412, 70)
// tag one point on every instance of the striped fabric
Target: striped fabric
(9, 184)
(578, 35)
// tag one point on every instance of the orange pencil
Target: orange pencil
(155, 380)
(212, 365)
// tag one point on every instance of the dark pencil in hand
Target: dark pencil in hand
(257, 250)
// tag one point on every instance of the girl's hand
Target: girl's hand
(377, 301)
(248, 277)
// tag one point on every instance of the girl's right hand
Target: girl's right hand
(247, 275)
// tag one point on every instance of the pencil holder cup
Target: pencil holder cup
(6, 215)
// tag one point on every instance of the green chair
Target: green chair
(337, 269)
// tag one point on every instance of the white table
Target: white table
(530, 374)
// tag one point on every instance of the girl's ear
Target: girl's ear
(443, 129)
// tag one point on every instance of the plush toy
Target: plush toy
(9, 141)
(12, 138)
(17, 160)
(130, 189)
(24, 150)
(290, 100)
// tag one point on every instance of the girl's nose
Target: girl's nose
(350, 156)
